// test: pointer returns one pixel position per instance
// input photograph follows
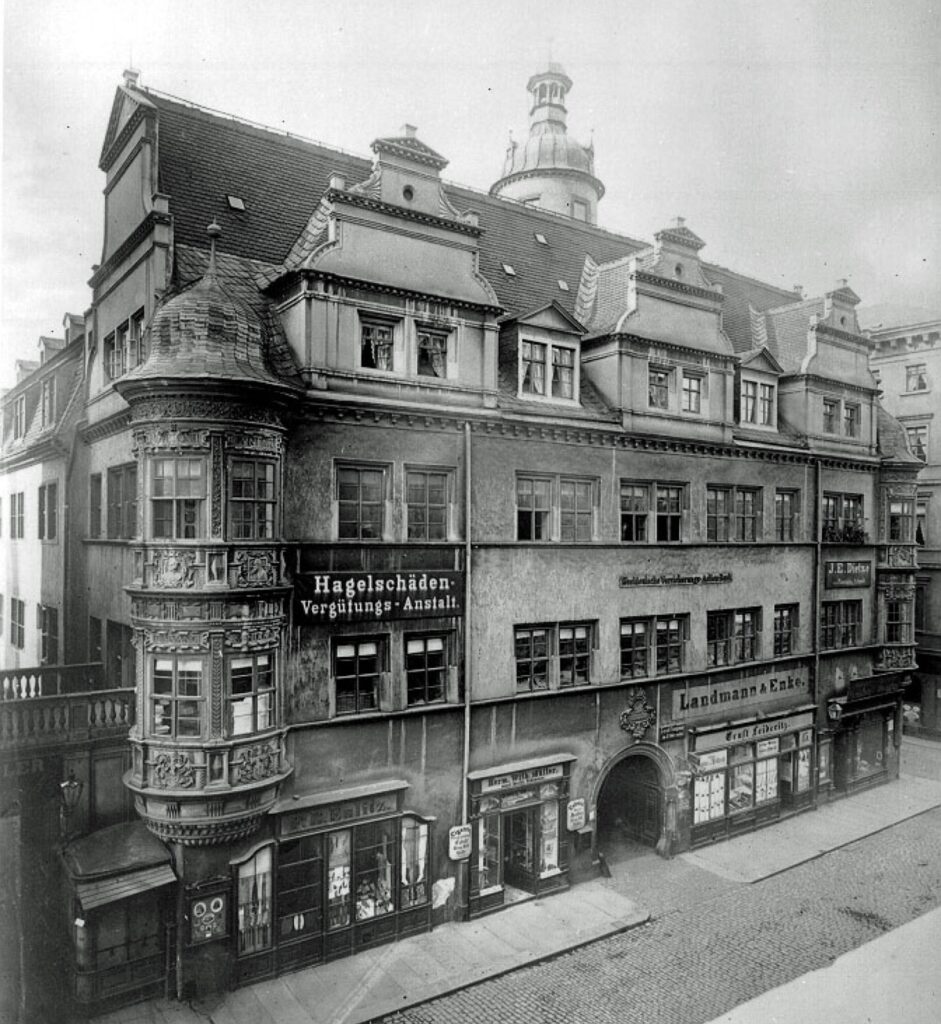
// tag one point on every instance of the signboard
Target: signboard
(672, 579)
(847, 574)
(523, 778)
(460, 840)
(753, 731)
(208, 917)
(377, 596)
(576, 814)
(328, 815)
(729, 695)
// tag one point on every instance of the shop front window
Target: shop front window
(375, 867)
(254, 912)
(338, 880)
(300, 887)
(549, 847)
(766, 779)
(414, 870)
(870, 746)
(490, 853)
(741, 787)
(709, 797)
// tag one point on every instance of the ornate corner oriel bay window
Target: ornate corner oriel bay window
(177, 498)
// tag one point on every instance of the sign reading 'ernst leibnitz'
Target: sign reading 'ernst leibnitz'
(357, 596)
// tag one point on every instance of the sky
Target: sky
(799, 139)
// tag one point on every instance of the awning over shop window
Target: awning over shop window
(120, 887)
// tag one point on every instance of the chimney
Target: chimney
(799, 288)
(131, 77)
(680, 222)
(409, 131)
(338, 182)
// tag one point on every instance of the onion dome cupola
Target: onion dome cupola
(551, 169)
(209, 593)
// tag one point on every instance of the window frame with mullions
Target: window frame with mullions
(421, 512)
(181, 692)
(786, 629)
(252, 515)
(425, 645)
(259, 699)
(786, 515)
(48, 506)
(733, 636)
(548, 661)
(548, 369)
(372, 679)
(379, 334)
(380, 523)
(178, 514)
(47, 620)
(121, 501)
(663, 646)
(561, 514)
(838, 630)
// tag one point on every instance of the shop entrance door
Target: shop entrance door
(518, 846)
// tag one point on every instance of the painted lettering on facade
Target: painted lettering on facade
(847, 574)
(378, 596)
(674, 579)
(328, 815)
(523, 778)
(750, 731)
(708, 698)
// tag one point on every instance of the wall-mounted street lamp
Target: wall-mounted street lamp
(70, 792)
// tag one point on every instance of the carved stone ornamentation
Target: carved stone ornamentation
(895, 589)
(897, 555)
(895, 658)
(639, 715)
(253, 638)
(173, 569)
(173, 771)
(204, 833)
(256, 763)
(162, 408)
(216, 685)
(256, 569)
(175, 640)
(256, 443)
(171, 438)
(215, 495)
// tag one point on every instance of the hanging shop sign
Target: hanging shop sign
(847, 574)
(708, 698)
(208, 916)
(460, 842)
(673, 579)
(751, 731)
(377, 596)
(576, 814)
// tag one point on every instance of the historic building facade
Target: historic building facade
(907, 362)
(444, 539)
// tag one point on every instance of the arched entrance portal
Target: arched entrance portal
(631, 802)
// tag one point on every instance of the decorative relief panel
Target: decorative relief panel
(216, 490)
(896, 658)
(164, 408)
(252, 638)
(216, 700)
(896, 555)
(173, 569)
(171, 438)
(639, 715)
(255, 568)
(897, 588)
(256, 443)
(255, 763)
(173, 771)
(175, 640)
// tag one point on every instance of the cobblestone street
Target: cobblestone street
(712, 944)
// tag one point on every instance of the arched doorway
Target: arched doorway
(630, 803)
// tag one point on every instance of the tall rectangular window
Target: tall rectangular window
(533, 368)
(574, 653)
(532, 649)
(47, 403)
(360, 502)
(19, 417)
(177, 696)
(692, 394)
(898, 622)
(94, 638)
(851, 420)
(135, 340)
(255, 902)
(747, 633)
(766, 405)
(94, 505)
(533, 508)
(48, 635)
(48, 511)
(425, 669)
(900, 521)
(670, 501)
(300, 887)
(427, 500)
(432, 354)
(786, 515)
(635, 643)
(718, 513)
(747, 514)
(749, 406)
(840, 624)
(251, 693)
(831, 416)
(563, 372)
(356, 669)
(576, 510)
(719, 638)
(918, 440)
(635, 507)
(671, 632)
(658, 388)
(17, 515)
(252, 499)
(17, 623)
(122, 502)
(916, 377)
(785, 629)
(179, 491)
(732, 636)
(376, 346)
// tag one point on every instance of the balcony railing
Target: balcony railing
(62, 718)
(845, 531)
(50, 680)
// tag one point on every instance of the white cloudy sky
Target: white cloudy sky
(798, 137)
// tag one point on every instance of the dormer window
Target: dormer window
(658, 388)
(236, 202)
(376, 345)
(563, 285)
(540, 238)
(757, 405)
(432, 353)
(548, 370)
(47, 407)
(19, 417)
(508, 270)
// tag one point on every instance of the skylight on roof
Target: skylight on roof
(508, 270)
(540, 238)
(236, 202)
(563, 285)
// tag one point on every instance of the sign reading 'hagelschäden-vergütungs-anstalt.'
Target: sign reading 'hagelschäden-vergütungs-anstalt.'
(378, 596)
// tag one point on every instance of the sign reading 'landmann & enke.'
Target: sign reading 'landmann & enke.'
(377, 596)
(700, 700)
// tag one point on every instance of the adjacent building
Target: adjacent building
(444, 538)
(906, 360)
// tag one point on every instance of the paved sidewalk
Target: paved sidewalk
(454, 956)
(891, 980)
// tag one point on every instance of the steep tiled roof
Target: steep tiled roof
(893, 441)
(787, 332)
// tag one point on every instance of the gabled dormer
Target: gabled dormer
(382, 289)
(540, 355)
(756, 390)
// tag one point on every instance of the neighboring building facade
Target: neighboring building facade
(907, 361)
(406, 509)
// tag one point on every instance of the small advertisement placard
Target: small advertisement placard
(459, 842)
(576, 814)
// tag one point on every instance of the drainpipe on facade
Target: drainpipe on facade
(468, 662)
(177, 850)
(815, 606)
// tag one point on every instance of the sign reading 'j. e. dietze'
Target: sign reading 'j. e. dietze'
(378, 596)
